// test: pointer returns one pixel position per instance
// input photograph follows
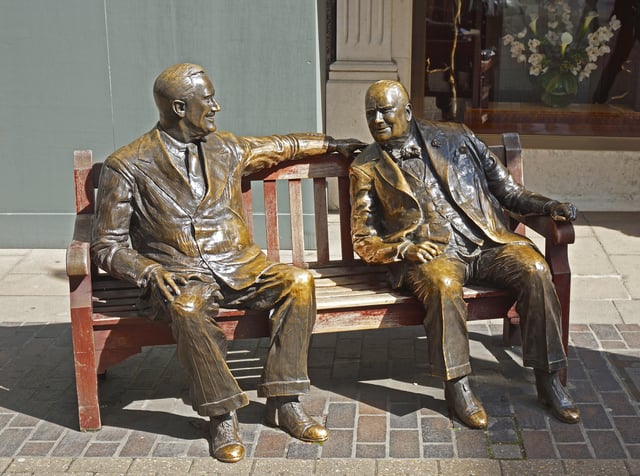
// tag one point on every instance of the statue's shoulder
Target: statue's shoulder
(368, 157)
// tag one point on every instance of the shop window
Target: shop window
(566, 67)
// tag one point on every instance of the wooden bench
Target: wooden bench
(107, 327)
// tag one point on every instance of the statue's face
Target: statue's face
(201, 107)
(388, 113)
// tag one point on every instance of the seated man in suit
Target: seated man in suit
(427, 199)
(170, 219)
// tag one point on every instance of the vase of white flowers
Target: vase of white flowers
(561, 48)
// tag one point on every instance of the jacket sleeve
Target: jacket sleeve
(110, 246)
(263, 152)
(367, 242)
(511, 195)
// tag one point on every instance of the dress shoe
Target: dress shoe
(552, 393)
(227, 445)
(461, 400)
(288, 414)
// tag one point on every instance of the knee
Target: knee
(302, 279)
(444, 284)
(187, 305)
(538, 269)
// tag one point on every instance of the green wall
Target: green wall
(78, 74)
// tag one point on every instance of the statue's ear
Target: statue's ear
(408, 112)
(179, 107)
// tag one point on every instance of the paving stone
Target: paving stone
(271, 444)
(339, 444)
(606, 332)
(538, 445)
(404, 444)
(35, 448)
(211, 466)
(407, 467)
(301, 450)
(341, 415)
(566, 432)
(39, 465)
(437, 451)
(633, 466)
(471, 444)
(634, 451)
(346, 467)
(101, 465)
(594, 416)
(594, 468)
(138, 444)
(160, 465)
(456, 467)
(501, 430)
(537, 467)
(436, 430)
(574, 451)
(11, 439)
(403, 415)
(618, 404)
(606, 444)
(506, 451)
(367, 450)
(372, 429)
(47, 431)
(629, 429)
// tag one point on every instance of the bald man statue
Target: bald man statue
(427, 199)
(170, 220)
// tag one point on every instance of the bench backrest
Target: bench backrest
(319, 170)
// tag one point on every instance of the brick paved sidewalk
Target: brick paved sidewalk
(369, 387)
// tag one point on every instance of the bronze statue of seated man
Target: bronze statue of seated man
(427, 199)
(170, 219)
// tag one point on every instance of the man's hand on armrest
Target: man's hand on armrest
(345, 147)
(561, 211)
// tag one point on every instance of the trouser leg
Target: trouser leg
(522, 268)
(439, 286)
(201, 350)
(290, 293)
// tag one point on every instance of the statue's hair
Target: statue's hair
(175, 82)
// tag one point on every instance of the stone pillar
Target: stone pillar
(373, 41)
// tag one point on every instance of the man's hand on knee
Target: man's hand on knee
(421, 252)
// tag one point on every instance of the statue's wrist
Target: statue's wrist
(546, 209)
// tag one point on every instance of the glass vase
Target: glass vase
(558, 88)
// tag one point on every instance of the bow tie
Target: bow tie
(412, 151)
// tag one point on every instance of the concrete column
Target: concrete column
(373, 41)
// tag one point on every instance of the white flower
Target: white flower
(533, 44)
(614, 23)
(522, 34)
(507, 39)
(565, 40)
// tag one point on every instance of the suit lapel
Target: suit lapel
(435, 141)
(154, 161)
(217, 168)
(391, 173)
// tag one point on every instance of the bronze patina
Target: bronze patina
(170, 219)
(427, 200)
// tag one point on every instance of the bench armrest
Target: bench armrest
(554, 232)
(78, 254)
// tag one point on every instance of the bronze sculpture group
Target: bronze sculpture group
(426, 200)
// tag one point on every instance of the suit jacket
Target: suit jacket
(147, 215)
(385, 210)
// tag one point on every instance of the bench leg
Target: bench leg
(84, 362)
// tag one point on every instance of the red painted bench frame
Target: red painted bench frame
(107, 328)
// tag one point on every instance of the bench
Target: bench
(107, 327)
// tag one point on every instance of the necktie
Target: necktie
(194, 168)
